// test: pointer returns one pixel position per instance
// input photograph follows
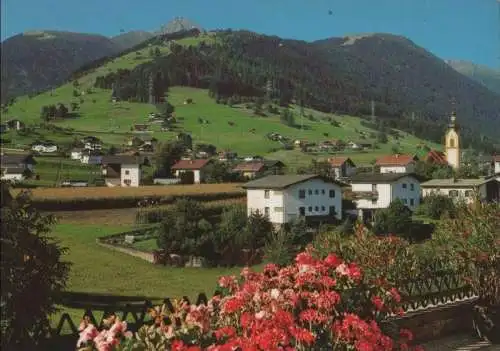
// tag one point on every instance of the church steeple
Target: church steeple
(452, 142)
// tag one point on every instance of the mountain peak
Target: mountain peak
(178, 24)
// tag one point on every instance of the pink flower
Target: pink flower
(332, 261)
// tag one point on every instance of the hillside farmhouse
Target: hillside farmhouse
(44, 147)
(397, 163)
(13, 174)
(373, 191)
(285, 197)
(342, 167)
(121, 170)
(24, 161)
(192, 170)
(253, 169)
(487, 189)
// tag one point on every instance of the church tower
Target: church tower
(452, 143)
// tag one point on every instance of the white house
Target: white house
(464, 189)
(44, 147)
(13, 174)
(122, 170)
(372, 191)
(192, 169)
(76, 154)
(91, 158)
(397, 163)
(342, 167)
(285, 197)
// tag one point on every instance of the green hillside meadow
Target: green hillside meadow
(112, 121)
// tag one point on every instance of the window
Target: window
(127, 172)
(412, 202)
(127, 182)
(374, 201)
(266, 194)
(316, 192)
(316, 209)
(302, 194)
(468, 193)
(404, 185)
(405, 201)
(453, 193)
(322, 208)
(266, 211)
(452, 142)
(310, 209)
(323, 191)
(302, 211)
(310, 192)
(278, 209)
(374, 187)
(332, 210)
(412, 186)
(332, 193)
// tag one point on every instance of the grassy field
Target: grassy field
(119, 192)
(112, 121)
(99, 270)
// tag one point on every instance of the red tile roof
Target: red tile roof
(395, 160)
(337, 161)
(191, 164)
(437, 157)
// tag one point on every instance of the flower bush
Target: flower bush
(313, 304)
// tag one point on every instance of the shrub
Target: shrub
(310, 305)
(435, 206)
(31, 270)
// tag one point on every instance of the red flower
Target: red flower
(227, 332)
(406, 334)
(177, 345)
(395, 295)
(378, 302)
(332, 261)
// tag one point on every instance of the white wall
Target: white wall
(13, 176)
(284, 204)
(497, 166)
(134, 175)
(76, 155)
(461, 193)
(398, 169)
(196, 173)
(411, 192)
(388, 192)
(91, 160)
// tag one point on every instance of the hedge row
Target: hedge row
(125, 202)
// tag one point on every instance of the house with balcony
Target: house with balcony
(466, 190)
(374, 191)
(397, 163)
(285, 197)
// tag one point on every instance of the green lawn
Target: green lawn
(147, 245)
(96, 269)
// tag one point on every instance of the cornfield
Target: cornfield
(119, 192)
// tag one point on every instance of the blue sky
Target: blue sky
(456, 29)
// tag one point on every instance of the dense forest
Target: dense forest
(412, 89)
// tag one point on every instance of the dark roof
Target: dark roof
(121, 159)
(456, 183)
(380, 177)
(282, 181)
(191, 164)
(256, 166)
(18, 159)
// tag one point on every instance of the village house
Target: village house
(122, 171)
(253, 169)
(15, 124)
(24, 161)
(45, 147)
(397, 163)
(342, 167)
(191, 170)
(436, 157)
(227, 155)
(487, 189)
(12, 174)
(374, 191)
(285, 197)
(91, 143)
(91, 157)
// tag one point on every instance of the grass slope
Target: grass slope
(112, 122)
